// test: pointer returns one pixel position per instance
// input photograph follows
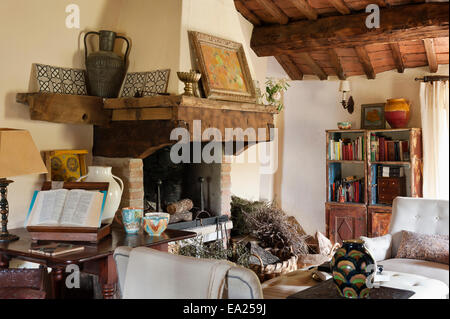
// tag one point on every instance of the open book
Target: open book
(63, 207)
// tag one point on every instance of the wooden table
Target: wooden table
(96, 259)
(327, 290)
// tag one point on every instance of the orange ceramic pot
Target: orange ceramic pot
(397, 112)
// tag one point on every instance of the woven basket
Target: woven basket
(274, 270)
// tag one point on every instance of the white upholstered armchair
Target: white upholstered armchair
(419, 215)
(146, 273)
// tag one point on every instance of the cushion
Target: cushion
(379, 247)
(418, 267)
(423, 247)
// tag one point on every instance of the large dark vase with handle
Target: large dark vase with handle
(105, 69)
(353, 267)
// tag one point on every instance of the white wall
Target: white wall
(35, 32)
(311, 107)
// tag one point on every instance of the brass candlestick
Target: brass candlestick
(189, 79)
(5, 236)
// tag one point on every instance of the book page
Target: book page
(50, 207)
(78, 207)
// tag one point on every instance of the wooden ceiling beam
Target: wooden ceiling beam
(317, 70)
(274, 11)
(304, 7)
(431, 55)
(336, 63)
(340, 6)
(290, 67)
(397, 55)
(398, 23)
(247, 13)
(365, 61)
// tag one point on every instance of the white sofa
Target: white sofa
(146, 273)
(425, 216)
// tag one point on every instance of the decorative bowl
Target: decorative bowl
(155, 223)
(191, 76)
(344, 125)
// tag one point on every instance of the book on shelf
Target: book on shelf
(346, 149)
(69, 208)
(384, 149)
(55, 249)
(391, 171)
(351, 191)
(373, 184)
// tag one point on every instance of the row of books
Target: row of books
(346, 149)
(385, 149)
(350, 192)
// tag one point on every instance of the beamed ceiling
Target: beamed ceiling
(330, 38)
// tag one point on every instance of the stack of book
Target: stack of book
(391, 171)
(352, 191)
(346, 149)
(385, 149)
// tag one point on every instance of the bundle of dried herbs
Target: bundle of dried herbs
(239, 206)
(238, 253)
(271, 226)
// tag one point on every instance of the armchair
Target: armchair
(425, 216)
(23, 283)
(148, 273)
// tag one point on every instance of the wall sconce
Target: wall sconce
(344, 87)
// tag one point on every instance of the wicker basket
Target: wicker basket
(274, 270)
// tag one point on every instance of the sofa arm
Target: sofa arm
(121, 257)
(379, 247)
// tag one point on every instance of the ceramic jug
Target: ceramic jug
(105, 69)
(102, 174)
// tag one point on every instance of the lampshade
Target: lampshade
(18, 154)
(344, 86)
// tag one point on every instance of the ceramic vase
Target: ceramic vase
(352, 265)
(105, 69)
(102, 174)
(397, 112)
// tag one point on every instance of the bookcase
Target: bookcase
(357, 161)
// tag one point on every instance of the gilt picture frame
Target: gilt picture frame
(372, 116)
(224, 68)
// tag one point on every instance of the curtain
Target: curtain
(435, 135)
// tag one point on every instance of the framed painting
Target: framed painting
(65, 165)
(224, 68)
(372, 116)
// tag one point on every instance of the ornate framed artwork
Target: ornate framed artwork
(224, 68)
(65, 165)
(372, 116)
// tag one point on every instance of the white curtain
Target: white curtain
(435, 135)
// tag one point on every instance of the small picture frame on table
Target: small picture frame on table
(372, 116)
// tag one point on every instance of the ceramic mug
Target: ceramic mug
(156, 223)
(132, 219)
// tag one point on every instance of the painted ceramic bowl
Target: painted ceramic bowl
(344, 125)
(155, 223)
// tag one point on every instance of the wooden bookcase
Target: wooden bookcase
(348, 220)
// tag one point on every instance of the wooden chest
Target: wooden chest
(389, 188)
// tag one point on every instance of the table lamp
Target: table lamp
(18, 156)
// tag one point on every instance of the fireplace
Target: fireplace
(177, 181)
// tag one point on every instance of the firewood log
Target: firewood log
(180, 217)
(183, 205)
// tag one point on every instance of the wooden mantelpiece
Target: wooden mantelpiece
(137, 127)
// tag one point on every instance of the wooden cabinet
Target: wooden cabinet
(345, 221)
(378, 221)
(370, 213)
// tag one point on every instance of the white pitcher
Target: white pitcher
(103, 174)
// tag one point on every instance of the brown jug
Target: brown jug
(105, 69)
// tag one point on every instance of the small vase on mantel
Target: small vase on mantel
(397, 112)
(103, 174)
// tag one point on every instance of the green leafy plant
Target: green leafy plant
(274, 89)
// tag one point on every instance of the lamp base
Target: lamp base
(7, 238)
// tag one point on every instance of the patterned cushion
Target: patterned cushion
(424, 247)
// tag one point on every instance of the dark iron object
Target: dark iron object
(202, 213)
(158, 195)
(105, 69)
(199, 222)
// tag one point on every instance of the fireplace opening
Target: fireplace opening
(207, 185)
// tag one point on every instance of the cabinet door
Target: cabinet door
(346, 223)
(378, 223)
